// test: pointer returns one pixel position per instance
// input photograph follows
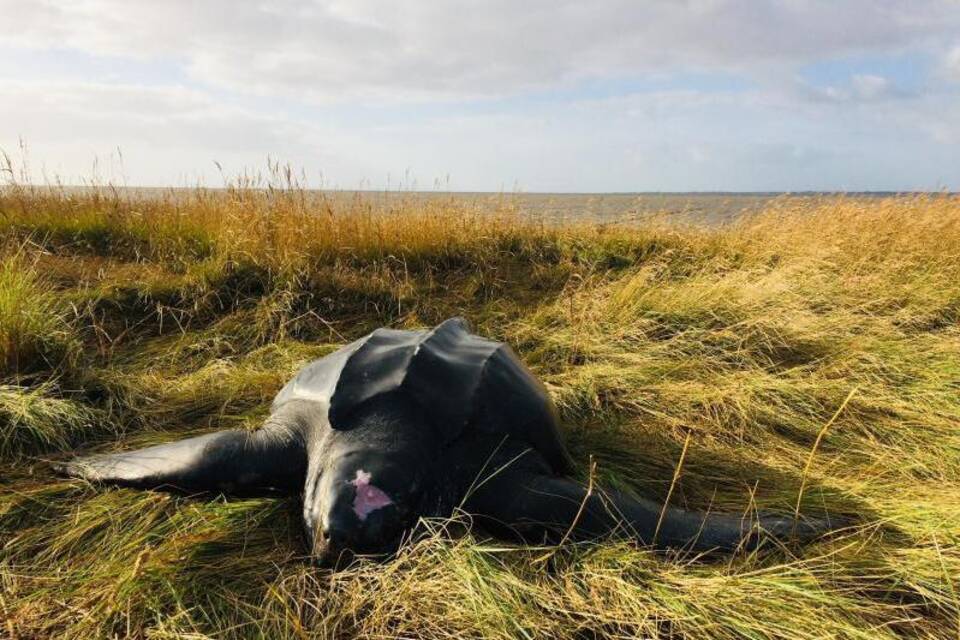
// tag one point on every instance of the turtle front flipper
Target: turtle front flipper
(537, 507)
(230, 462)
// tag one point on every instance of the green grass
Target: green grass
(34, 332)
(129, 321)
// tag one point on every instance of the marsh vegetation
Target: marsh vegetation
(807, 355)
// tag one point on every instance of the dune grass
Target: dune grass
(810, 354)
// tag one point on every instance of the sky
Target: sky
(487, 95)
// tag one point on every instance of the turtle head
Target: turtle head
(370, 484)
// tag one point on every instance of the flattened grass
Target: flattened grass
(187, 313)
(34, 420)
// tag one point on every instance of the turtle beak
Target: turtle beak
(331, 545)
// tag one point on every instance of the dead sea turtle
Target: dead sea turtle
(404, 424)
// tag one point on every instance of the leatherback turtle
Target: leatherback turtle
(400, 425)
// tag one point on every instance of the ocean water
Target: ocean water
(560, 208)
(621, 207)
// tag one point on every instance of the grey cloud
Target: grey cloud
(455, 50)
(778, 133)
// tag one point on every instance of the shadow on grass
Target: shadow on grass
(645, 463)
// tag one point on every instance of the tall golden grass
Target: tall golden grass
(809, 356)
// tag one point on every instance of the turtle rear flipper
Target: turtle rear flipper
(537, 507)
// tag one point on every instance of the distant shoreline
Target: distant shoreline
(710, 208)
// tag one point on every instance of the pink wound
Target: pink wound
(368, 498)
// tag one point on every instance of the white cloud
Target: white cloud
(870, 87)
(857, 89)
(173, 115)
(161, 131)
(669, 140)
(951, 64)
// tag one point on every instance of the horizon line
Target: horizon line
(399, 191)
